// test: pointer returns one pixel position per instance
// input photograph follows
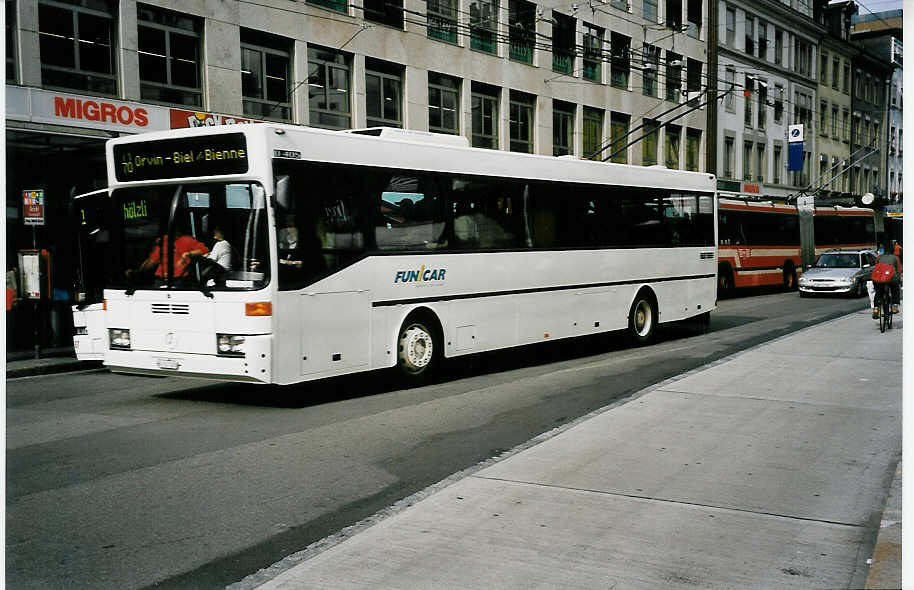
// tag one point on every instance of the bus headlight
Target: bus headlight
(119, 338)
(230, 345)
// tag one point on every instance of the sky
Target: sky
(882, 5)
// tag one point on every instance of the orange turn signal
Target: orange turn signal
(104, 305)
(258, 308)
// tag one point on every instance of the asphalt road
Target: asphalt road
(128, 482)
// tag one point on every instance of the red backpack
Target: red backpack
(883, 273)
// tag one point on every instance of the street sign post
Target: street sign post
(33, 207)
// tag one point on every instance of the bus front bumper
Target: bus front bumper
(253, 367)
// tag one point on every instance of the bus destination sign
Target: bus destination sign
(179, 158)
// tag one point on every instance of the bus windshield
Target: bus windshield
(208, 237)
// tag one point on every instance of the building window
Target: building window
(651, 56)
(823, 170)
(731, 27)
(620, 4)
(693, 79)
(778, 104)
(823, 67)
(562, 43)
(846, 125)
(750, 35)
(442, 20)
(693, 149)
(169, 50)
(621, 61)
(728, 157)
(520, 121)
(875, 141)
(649, 142)
(650, 10)
(618, 123)
(731, 88)
(385, 12)
(76, 45)
(593, 53)
(593, 133)
(846, 79)
(265, 67)
(776, 166)
(694, 18)
(835, 72)
(521, 30)
(823, 118)
(329, 75)
(673, 76)
(762, 105)
(748, 92)
(747, 161)
(10, 42)
(834, 121)
(383, 93)
(803, 53)
(484, 101)
(338, 5)
(674, 14)
(760, 162)
(443, 103)
(672, 144)
(483, 23)
(562, 128)
(778, 46)
(763, 40)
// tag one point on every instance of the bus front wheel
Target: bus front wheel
(642, 319)
(418, 350)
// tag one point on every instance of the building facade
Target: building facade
(767, 66)
(507, 74)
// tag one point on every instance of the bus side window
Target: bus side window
(410, 213)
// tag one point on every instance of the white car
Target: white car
(842, 272)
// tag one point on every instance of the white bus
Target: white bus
(354, 251)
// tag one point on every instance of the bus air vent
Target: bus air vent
(171, 308)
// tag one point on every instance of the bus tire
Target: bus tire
(642, 318)
(790, 277)
(724, 280)
(418, 348)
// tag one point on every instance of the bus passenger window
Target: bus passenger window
(408, 218)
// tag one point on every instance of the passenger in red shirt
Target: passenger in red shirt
(186, 247)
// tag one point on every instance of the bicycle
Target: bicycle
(885, 309)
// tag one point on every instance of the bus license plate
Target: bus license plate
(171, 364)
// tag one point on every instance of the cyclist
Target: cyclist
(886, 273)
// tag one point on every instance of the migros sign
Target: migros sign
(69, 107)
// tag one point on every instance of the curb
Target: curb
(51, 368)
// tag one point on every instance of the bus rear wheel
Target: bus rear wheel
(642, 319)
(418, 350)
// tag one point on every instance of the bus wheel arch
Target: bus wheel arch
(419, 346)
(643, 316)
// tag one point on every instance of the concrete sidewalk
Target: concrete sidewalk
(768, 469)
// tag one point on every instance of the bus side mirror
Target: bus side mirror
(283, 192)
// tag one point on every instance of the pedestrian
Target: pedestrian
(222, 250)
